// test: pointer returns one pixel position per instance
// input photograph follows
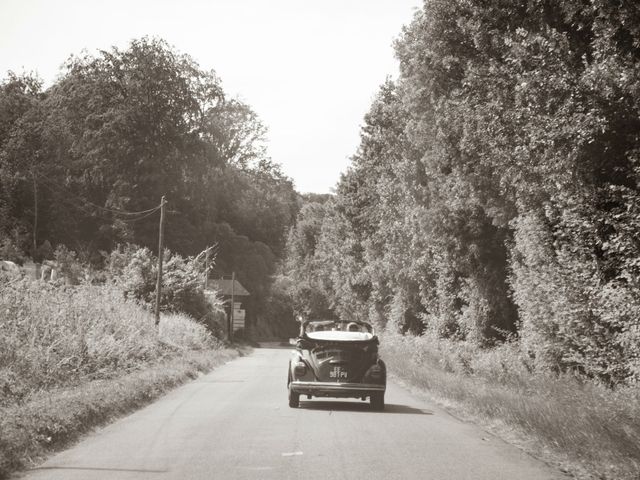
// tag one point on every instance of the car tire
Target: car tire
(294, 398)
(377, 401)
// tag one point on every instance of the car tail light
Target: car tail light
(299, 369)
(375, 372)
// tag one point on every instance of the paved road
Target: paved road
(235, 424)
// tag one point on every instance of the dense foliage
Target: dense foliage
(55, 336)
(115, 133)
(495, 193)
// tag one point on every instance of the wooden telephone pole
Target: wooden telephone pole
(160, 258)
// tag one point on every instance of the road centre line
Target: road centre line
(291, 454)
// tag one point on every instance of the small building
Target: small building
(233, 294)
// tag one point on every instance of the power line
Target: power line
(79, 207)
(91, 213)
(61, 189)
(132, 220)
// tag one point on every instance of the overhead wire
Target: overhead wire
(131, 220)
(110, 210)
(92, 213)
(68, 202)
(52, 186)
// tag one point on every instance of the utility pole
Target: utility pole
(233, 305)
(160, 258)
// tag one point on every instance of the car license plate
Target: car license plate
(338, 373)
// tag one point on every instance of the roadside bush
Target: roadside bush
(71, 269)
(10, 251)
(571, 319)
(181, 333)
(587, 424)
(134, 270)
(55, 335)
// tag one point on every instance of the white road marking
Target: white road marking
(291, 454)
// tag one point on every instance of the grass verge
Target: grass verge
(48, 421)
(589, 430)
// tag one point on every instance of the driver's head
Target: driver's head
(353, 327)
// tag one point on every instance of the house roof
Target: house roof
(224, 287)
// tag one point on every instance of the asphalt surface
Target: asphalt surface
(235, 423)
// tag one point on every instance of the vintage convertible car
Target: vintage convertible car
(335, 358)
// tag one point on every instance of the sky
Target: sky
(309, 68)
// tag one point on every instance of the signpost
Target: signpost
(233, 305)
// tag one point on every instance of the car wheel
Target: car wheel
(294, 398)
(377, 401)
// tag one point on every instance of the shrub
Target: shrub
(572, 320)
(134, 269)
(71, 269)
(10, 251)
(588, 424)
(56, 335)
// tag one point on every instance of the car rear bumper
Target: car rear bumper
(335, 389)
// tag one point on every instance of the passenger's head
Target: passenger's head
(353, 327)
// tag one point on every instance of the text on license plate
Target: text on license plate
(338, 373)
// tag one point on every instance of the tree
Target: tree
(124, 127)
(495, 189)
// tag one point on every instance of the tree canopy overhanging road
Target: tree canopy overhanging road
(234, 423)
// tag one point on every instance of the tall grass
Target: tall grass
(72, 357)
(53, 335)
(596, 429)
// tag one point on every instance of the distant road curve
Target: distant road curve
(235, 424)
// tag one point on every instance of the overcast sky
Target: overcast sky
(309, 68)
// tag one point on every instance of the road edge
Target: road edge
(53, 420)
